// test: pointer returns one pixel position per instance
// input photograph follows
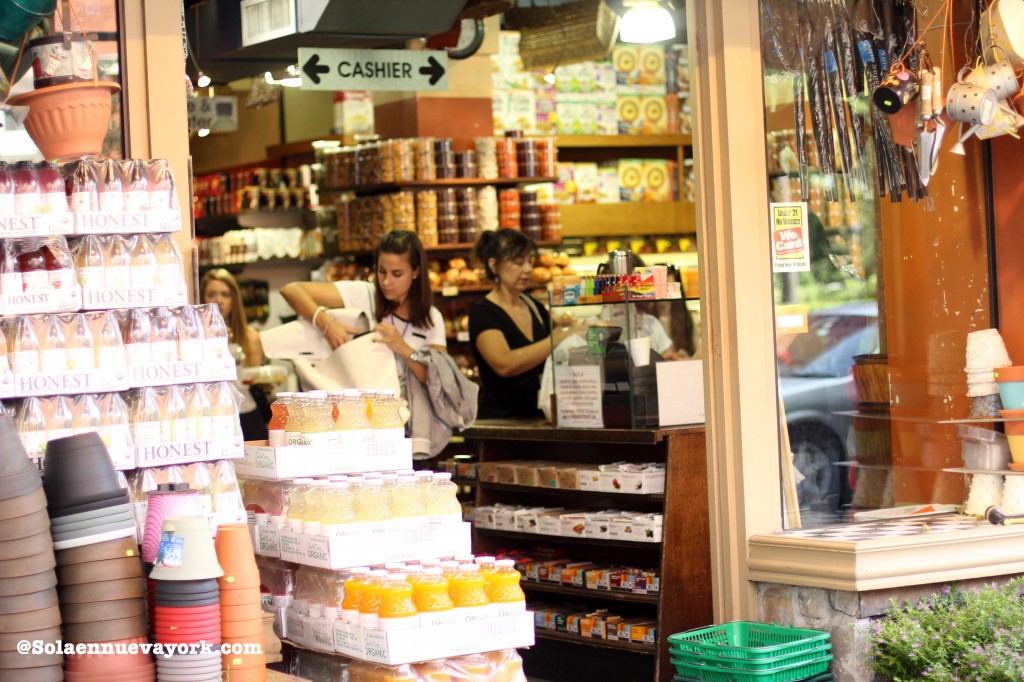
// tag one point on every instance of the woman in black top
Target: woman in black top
(508, 330)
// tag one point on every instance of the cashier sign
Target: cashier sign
(790, 243)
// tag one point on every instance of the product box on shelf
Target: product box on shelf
(649, 481)
(509, 629)
(186, 452)
(291, 461)
(14, 300)
(126, 222)
(35, 225)
(363, 549)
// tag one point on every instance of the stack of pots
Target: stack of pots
(99, 570)
(872, 432)
(985, 354)
(187, 600)
(241, 613)
(28, 600)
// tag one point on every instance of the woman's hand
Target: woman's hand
(568, 328)
(336, 333)
(388, 335)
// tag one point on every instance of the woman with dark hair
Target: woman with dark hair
(508, 330)
(402, 314)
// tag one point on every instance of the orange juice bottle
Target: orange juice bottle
(430, 593)
(413, 573)
(503, 584)
(369, 599)
(397, 608)
(279, 420)
(486, 564)
(434, 671)
(468, 589)
(353, 586)
(449, 569)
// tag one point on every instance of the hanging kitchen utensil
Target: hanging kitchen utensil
(927, 145)
(1002, 25)
(897, 90)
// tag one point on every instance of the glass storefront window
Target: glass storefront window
(881, 268)
(93, 17)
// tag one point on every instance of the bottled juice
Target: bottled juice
(467, 588)
(486, 564)
(449, 569)
(89, 262)
(442, 504)
(53, 356)
(413, 573)
(197, 413)
(390, 481)
(279, 420)
(395, 568)
(423, 481)
(385, 417)
(431, 595)
(406, 500)
(355, 486)
(369, 601)
(397, 608)
(352, 425)
(296, 418)
(23, 347)
(335, 398)
(350, 602)
(297, 503)
(339, 509)
(314, 507)
(223, 412)
(430, 563)
(503, 584)
(117, 263)
(434, 671)
(32, 426)
(318, 427)
(109, 348)
(141, 263)
(81, 353)
(372, 502)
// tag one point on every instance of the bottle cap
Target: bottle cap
(378, 573)
(442, 476)
(432, 571)
(396, 577)
(505, 563)
(359, 570)
(375, 483)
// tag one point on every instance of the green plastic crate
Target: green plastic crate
(750, 663)
(787, 673)
(746, 640)
(824, 677)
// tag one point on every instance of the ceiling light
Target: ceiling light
(549, 78)
(646, 22)
(203, 132)
(203, 81)
(290, 82)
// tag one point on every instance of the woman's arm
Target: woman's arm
(255, 348)
(508, 363)
(306, 298)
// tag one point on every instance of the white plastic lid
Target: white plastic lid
(405, 472)
(480, 560)
(339, 485)
(359, 570)
(449, 564)
(463, 558)
(375, 483)
(356, 479)
(396, 577)
(351, 392)
(389, 477)
(429, 563)
(406, 479)
(321, 482)
(386, 394)
(285, 394)
(378, 573)
(394, 567)
(432, 571)
(373, 474)
(318, 395)
(442, 476)
(414, 568)
(424, 474)
(472, 568)
(505, 563)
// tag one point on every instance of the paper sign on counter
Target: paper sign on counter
(578, 396)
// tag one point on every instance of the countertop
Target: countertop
(541, 429)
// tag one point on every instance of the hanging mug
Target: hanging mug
(1006, 122)
(998, 76)
(969, 103)
(900, 86)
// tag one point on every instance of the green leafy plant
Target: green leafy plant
(955, 636)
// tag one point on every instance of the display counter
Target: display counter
(610, 516)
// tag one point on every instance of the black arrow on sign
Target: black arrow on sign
(312, 69)
(435, 70)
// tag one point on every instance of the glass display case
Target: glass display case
(624, 356)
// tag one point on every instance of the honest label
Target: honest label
(126, 222)
(35, 225)
(103, 299)
(159, 454)
(181, 373)
(67, 383)
(52, 301)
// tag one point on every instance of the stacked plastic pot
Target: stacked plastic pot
(187, 600)
(99, 571)
(28, 600)
(241, 614)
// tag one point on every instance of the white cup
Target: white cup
(640, 351)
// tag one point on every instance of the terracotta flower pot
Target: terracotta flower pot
(50, 673)
(108, 590)
(12, 660)
(248, 595)
(32, 545)
(91, 612)
(245, 628)
(242, 612)
(112, 549)
(9, 641)
(97, 571)
(239, 581)
(68, 121)
(23, 504)
(32, 620)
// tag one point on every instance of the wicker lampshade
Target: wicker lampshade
(564, 34)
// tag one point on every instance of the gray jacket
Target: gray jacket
(447, 402)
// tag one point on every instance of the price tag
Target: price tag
(170, 552)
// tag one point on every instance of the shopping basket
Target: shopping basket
(747, 640)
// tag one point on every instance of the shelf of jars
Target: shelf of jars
(588, 594)
(415, 185)
(600, 141)
(648, 649)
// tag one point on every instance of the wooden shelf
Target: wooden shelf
(568, 494)
(599, 643)
(540, 430)
(269, 262)
(468, 246)
(213, 226)
(604, 595)
(435, 184)
(628, 219)
(279, 151)
(538, 538)
(589, 141)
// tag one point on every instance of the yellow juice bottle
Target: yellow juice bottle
(433, 602)
(449, 569)
(353, 595)
(369, 600)
(413, 573)
(468, 589)
(503, 584)
(297, 503)
(486, 564)
(397, 608)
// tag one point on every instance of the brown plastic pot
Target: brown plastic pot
(9, 641)
(97, 571)
(31, 545)
(108, 590)
(20, 483)
(12, 660)
(111, 549)
(50, 673)
(24, 526)
(90, 612)
(107, 631)
(33, 601)
(23, 505)
(233, 614)
(28, 584)
(29, 565)
(31, 620)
